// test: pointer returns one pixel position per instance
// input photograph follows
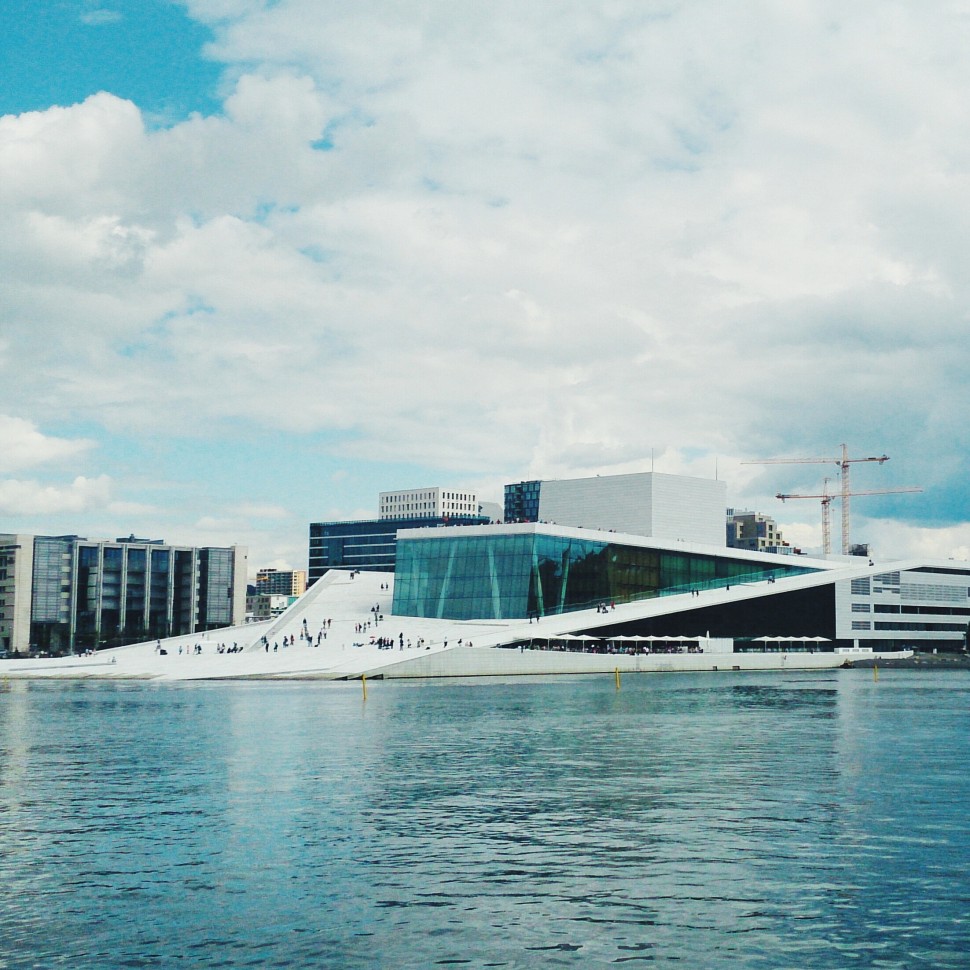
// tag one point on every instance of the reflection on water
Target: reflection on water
(743, 820)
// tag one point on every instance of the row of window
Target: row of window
(905, 608)
(913, 591)
(419, 496)
(910, 627)
(900, 625)
(932, 610)
(925, 591)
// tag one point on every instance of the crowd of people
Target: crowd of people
(364, 629)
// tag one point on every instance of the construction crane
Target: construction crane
(843, 464)
(826, 508)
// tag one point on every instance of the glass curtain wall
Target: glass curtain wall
(87, 605)
(215, 588)
(136, 594)
(515, 576)
(159, 594)
(50, 614)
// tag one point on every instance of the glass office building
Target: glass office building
(73, 594)
(517, 573)
(368, 544)
(522, 501)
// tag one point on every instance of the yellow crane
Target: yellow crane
(826, 510)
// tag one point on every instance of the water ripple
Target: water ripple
(748, 821)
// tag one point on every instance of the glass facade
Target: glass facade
(215, 588)
(50, 613)
(158, 592)
(369, 545)
(88, 594)
(515, 575)
(522, 502)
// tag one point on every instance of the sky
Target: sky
(260, 261)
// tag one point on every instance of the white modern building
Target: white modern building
(428, 503)
(918, 604)
(676, 507)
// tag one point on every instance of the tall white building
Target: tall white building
(424, 503)
(670, 507)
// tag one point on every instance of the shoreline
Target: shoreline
(433, 669)
(919, 661)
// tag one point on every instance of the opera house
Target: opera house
(545, 598)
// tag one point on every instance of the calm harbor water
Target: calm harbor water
(722, 820)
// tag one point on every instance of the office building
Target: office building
(288, 582)
(428, 503)
(522, 501)
(65, 594)
(369, 544)
(755, 532)
(266, 606)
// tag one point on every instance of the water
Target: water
(722, 820)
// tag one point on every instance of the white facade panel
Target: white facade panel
(673, 507)
(914, 608)
(691, 509)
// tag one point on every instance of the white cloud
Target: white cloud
(21, 498)
(543, 240)
(902, 540)
(97, 18)
(22, 445)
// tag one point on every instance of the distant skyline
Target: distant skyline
(260, 261)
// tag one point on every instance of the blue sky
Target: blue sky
(149, 52)
(261, 261)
